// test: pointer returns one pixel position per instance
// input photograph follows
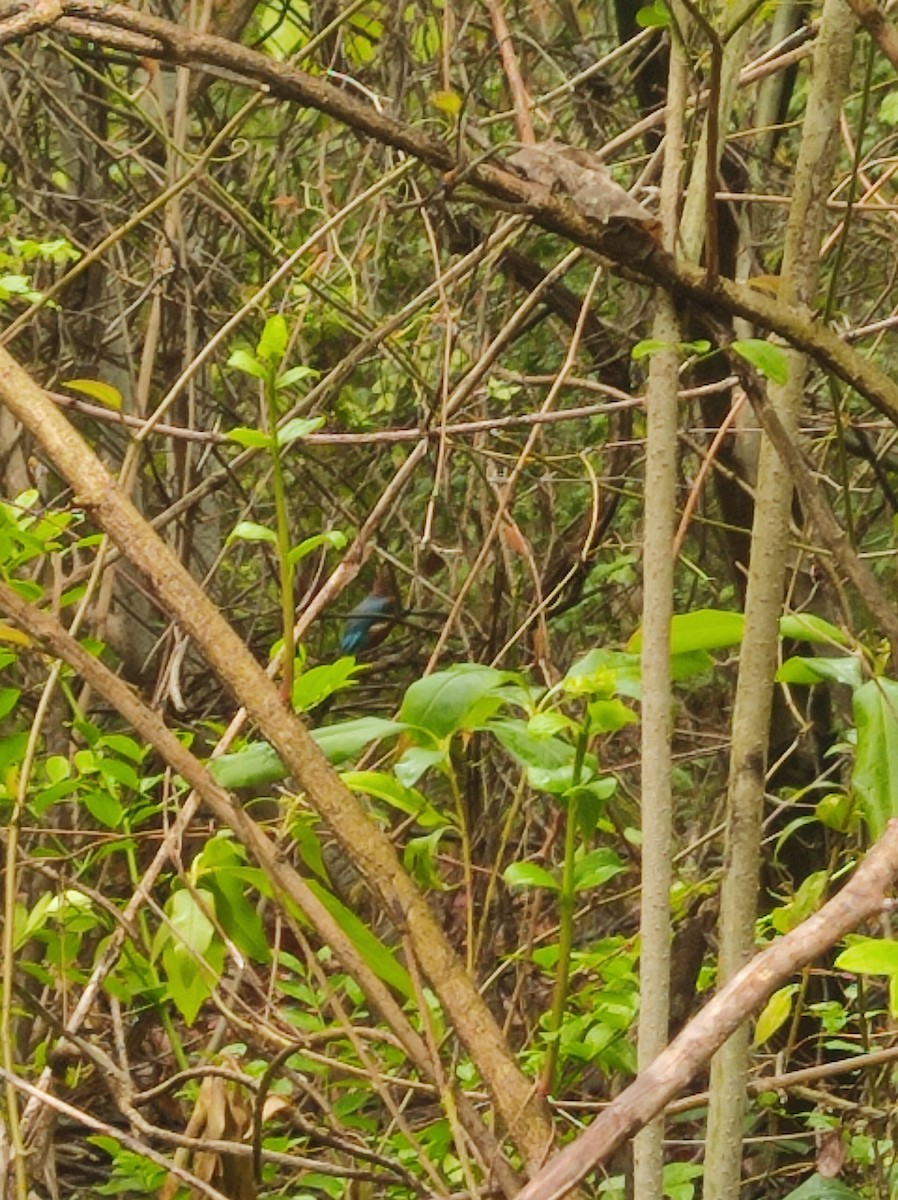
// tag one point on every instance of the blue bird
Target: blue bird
(371, 620)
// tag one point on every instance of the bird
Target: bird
(373, 618)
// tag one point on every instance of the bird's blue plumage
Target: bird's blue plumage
(368, 623)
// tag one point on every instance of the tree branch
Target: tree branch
(861, 898)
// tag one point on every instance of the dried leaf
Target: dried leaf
(830, 1153)
(584, 178)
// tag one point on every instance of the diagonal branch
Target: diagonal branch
(861, 898)
(632, 251)
(525, 1116)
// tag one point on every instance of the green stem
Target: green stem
(566, 903)
(282, 530)
(467, 869)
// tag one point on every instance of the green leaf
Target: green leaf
(818, 1187)
(704, 629)
(770, 360)
(105, 393)
(607, 716)
(273, 341)
(870, 956)
(340, 742)
(648, 346)
(243, 361)
(298, 428)
(252, 766)
(249, 531)
(522, 874)
(846, 669)
(417, 760)
(442, 703)
(295, 375)
(317, 683)
(596, 868)
(105, 808)
(9, 698)
(420, 859)
(805, 627)
(254, 439)
(333, 538)
(530, 750)
(189, 921)
(653, 16)
(381, 960)
(191, 983)
(774, 1014)
(888, 109)
(389, 789)
(875, 775)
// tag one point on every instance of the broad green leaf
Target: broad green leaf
(299, 427)
(416, 761)
(249, 531)
(606, 716)
(420, 859)
(704, 629)
(340, 742)
(528, 749)
(191, 983)
(523, 874)
(693, 662)
(333, 538)
(805, 901)
(294, 375)
(588, 802)
(273, 341)
(104, 807)
(105, 393)
(253, 439)
(442, 703)
(624, 667)
(558, 781)
(774, 1014)
(243, 361)
(805, 627)
(846, 669)
(770, 360)
(189, 921)
(381, 960)
(836, 811)
(596, 868)
(250, 767)
(223, 870)
(648, 346)
(653, 16)
(389, 789)
(870, 956)
(317, 683)
(9, 698)
(875, 775)
(819, 1187)
(124, 745)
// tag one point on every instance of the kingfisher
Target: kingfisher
(372, 619)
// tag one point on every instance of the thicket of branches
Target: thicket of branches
(328, 293)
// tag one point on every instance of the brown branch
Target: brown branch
(879, 27)
(526, 1118)
(510, 65)
(631, 250)
(861, 898)
(48, 633)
